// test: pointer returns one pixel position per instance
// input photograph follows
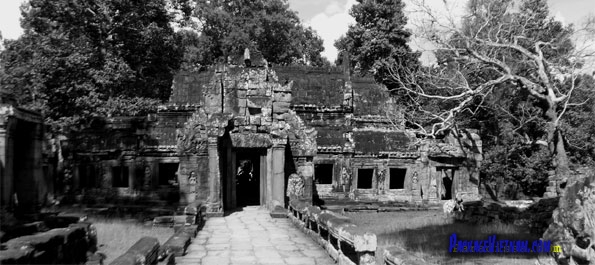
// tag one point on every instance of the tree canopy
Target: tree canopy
(77, 56)
(269, 26)
(378, 39)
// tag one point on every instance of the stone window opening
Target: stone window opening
(323, 173)
(364, 178)
(397, 178)
(120, 177)
(254, 111)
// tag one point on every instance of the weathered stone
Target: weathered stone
(573, 226)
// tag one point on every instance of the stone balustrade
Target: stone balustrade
(343, 240)
(144, 251)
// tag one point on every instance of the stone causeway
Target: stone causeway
(252, 236)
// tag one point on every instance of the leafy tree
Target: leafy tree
(378, 40)
(269, 26)
(74, 56)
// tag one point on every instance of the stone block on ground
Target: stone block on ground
(176, 244)
(279, 212)
(144, 251)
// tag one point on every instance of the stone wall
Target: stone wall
(536, 216)
(24, 188)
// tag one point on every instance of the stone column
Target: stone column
(278, 173)
(131, 176)
(5, 174)
(214, 201)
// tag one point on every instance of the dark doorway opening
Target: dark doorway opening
(247, 178)
(447, 175)
(324, 173)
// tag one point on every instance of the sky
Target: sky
(330, 18)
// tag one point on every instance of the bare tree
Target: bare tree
(497, 46)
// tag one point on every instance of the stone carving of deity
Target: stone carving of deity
(345, 178)
(147, 178)
(380, 176)
(192, 181)
(295, 186)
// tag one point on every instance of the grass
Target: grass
(116, 236)
(426, 234)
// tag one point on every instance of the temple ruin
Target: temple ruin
(241, 132)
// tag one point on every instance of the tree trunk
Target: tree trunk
(556, 145)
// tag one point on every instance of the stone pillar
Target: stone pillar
(5, 171)
(278, 174)
(214, 207)
(131, 176)
(306, 170)
(434, 188)
(106, 179)
(365, 245)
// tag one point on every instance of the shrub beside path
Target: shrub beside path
(251, 236)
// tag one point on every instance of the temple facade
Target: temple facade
(250, 134)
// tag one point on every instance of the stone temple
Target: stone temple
(246, 133)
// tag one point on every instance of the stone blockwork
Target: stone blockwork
(573, 226)
(342, 136)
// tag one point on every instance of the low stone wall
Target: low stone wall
(536, 216)
(144, 251)
(186, 223)
(343, 240)
(57, 246)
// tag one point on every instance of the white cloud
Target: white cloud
(560, 17)
(333, 8)
(446, 12)
(10, 15)
(332, 24)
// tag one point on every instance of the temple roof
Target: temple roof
(376, 141)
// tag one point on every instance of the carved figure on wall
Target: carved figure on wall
(191, 138)
(67, 180)
(147, 178)
(192, 186)
(416, 188)
(192, 178)
(345, 179)
(381, 176)
(295, 186)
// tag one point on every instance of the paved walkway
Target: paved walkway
(251, 236)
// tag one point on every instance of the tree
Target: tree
(378, 40)
(74, 56)
(269, 26)
(518, 53)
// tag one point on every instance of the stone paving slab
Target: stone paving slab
(251, 236)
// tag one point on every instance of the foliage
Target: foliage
(578, 123)
(378, 40)
(509, 68)
(74, 56)
(269, 26)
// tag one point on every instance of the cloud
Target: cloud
(10, 15)
(332, 24)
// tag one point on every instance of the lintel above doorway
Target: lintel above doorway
(251, 140)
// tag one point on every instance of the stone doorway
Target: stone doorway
(447, 178)
(247, 179)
